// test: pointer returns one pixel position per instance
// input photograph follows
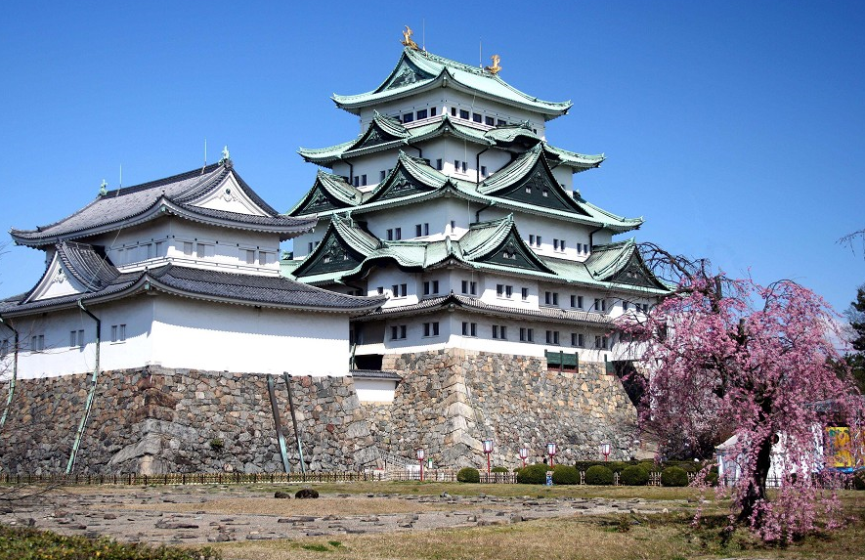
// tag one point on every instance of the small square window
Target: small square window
(426, 229)
(501, 122)
(357, 181)
(439, 164)
(433, 111)
(477, 117)
(421, 114)
(390, 235)
(525, 293)
(464, 114)
(418, 230)
(483, 170)
(435, 286)
(382, 175)
(489, 121)
(363, 180)
(408, 117)
(453, 111)
(402, 331)
(509, 291)
(404, 289)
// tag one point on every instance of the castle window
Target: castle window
(187, 248)
(531, 239)
(477, 117)
(470, 329)
(489, 121)
(37, 343)
(431, 287)
(390, 235)
(483, 170)
(357, 181)
(439, 164)
(421, 114)
(453, 225)
(118, 333)
(525, 293)
(382, 175)
(398, 332)
(601, 342)
(204, 250)
(431, 329)
(500, 332)
(464, 114)
(76, 339)
(453, 111)
(469, 287)
(553, 337)
(363, 180)
(407, 118)
(551, 298)
(527, 335)
(501, 122)
(250, 255)
(380, 290)
(397, 233)
(546, 193)
(433, 111)
(625, 306)
(600, 304)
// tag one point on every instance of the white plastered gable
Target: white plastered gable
(57, 282)
(229, 197)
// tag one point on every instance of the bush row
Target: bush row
(631, 475)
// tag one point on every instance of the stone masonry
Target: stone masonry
(451, 400)
(154, 420)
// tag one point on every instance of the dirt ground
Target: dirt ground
(206, 514)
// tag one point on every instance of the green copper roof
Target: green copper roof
(329, 192)
(410, 175)
(418, 71)
(375, 139)
(570, 209)
(493, 246)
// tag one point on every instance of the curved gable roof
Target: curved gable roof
(420, 70)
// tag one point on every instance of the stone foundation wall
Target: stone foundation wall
(154, 420)
(451, 400)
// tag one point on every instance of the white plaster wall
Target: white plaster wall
(386, 277)
(59, 358)
(437, 213)
(375, 390)
(128, 249)
(549, 229)
(221, 337)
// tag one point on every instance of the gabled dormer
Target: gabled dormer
(75, 268)
(529, 180)
(621, 263)
(344, 247)
(409, 176)
(329, 192)
(499, 243)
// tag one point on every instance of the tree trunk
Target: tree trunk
(756, 491)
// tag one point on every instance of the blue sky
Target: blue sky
(737, 129)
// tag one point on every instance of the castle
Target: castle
(448, 285)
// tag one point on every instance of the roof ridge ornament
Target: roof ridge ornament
(495, 68)
(407, 40)
(103, 188)
(225, 159)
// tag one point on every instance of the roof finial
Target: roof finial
(103, 188)
(407, 40)
(225, 157)
(495, 68)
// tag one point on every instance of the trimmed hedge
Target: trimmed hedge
(634, 475)
(565, 474)
(674, 476)
(468, 474)
(599, 475)
(499, 469)
(533, 474)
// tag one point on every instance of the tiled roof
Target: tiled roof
(211, 285)
(143, 202)
(429, 305)
(420, 70)
(502, 136)
(86, 265)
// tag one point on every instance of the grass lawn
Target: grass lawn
(611, 537)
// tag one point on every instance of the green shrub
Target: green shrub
(533, 474)
(21, 542)
(565, 474)
(517, 469)
(499, 469)
(617, 466)
(468, 474)
(674, 476)
(650, 466)
(634, 475)
(599, 475)
(859, 480)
